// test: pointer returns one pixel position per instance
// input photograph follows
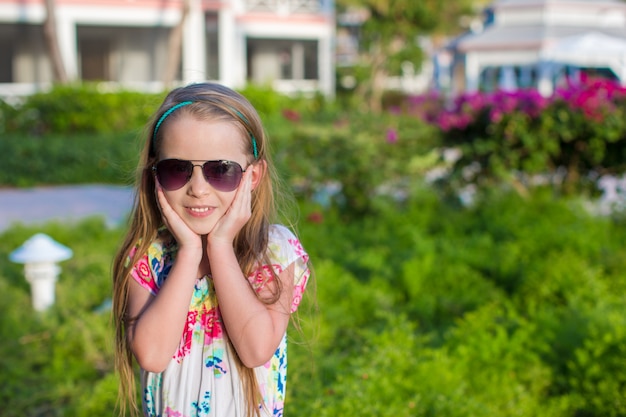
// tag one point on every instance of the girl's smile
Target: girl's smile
(200, 211)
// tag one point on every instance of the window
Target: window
(277, 59)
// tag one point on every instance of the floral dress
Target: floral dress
(202, 377)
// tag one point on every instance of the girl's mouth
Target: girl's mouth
(199, 211)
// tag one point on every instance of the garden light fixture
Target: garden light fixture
(40, 255)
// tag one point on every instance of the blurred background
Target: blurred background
(457, 170)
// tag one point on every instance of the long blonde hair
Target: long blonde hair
(209, 102)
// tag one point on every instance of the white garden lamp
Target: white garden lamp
(40, 255)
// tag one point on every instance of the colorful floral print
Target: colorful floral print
(200, 379)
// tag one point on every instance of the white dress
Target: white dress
(202, 378)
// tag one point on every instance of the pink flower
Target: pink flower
(495, 116)
(291, 115)
(185, 343)
(262, 276)
(211, 323)
(392, 135)
(315, 217)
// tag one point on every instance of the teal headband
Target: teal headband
(186, 103)
(164, 116)
(254, 150)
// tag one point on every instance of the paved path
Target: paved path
(32, 206)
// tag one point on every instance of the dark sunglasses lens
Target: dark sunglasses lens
(223, 175)
(173, 174)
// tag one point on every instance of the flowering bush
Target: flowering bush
(513, 136)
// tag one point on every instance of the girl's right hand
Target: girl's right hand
(185, 237)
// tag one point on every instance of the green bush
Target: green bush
(54, 363)
(28, 160)
(361, 155)
(76, 109)
(423, 309)
(512, 307)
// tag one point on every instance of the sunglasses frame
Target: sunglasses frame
(190, 167)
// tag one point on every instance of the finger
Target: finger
(237, 214)
(164, 205)
(247, 183)
(167, 212)
(244, 193)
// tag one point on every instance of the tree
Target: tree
(389, 36)
(52, 42)
(175, 45)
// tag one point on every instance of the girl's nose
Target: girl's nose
(198, 185)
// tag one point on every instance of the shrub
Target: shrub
(84, 108)
(515, 137)
(50, 362)
(349, 162)
(425, 308)
(29, 160)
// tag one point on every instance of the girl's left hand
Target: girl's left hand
(237, 214)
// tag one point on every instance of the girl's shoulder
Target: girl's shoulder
(162, 244)
(284, 245)
(285, 249)
(280, 231)
(162, 247)
(151, 267)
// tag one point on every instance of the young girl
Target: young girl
(204, 284)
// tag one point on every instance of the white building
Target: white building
(288, 43)
(538, 43)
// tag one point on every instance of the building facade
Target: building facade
(288, 44)
(538, 44)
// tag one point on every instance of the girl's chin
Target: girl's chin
(201, 229)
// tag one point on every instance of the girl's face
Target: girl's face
(197, 202)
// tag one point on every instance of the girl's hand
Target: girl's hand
(185, 237)
(236, 216)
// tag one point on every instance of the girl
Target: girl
(204, 284)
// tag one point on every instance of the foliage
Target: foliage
(338, 156)
(79, 109)
(509, 307)
(388, 36)
(265, 100)
(324, 151)
(568, 139)
(31, 160)
(354, 158)
(513, 307)
(59, 362)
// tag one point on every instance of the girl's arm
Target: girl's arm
(254, 328)
(160, 320)
(155, 334)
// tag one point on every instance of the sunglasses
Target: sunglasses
(222, 175)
